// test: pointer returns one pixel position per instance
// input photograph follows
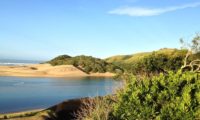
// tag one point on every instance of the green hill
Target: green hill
(126, 58)
(87, 64)
(139, 56)
(152, 62)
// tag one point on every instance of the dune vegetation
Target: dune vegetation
(87, 64)
(171, 96)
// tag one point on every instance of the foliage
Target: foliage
(86, 63)
(159, 62)
(173, 96)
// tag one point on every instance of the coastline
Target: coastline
(46, 70)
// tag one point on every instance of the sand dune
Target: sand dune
(46, 70)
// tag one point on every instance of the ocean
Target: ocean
(12, 62)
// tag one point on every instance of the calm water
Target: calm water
(10, 62)
(18, 94)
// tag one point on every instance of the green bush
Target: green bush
(5, 117)
(165, 97)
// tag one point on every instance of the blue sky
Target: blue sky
(43, 29)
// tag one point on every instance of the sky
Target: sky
(43, 29)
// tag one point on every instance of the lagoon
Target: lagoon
(22, 93)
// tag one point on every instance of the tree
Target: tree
(193, 48)
(196, 44)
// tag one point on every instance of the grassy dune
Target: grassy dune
(128, 59)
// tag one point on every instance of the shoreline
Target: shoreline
(21, 114)
(69, 107)
(23, 111)
(46, 70)
(35, 76)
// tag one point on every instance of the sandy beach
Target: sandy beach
(46, 70)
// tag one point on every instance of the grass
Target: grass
(98, 109)
(25, 115)
(128, 59)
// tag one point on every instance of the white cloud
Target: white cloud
(140, 11)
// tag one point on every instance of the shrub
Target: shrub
(5, 117)
(88, 69)
(98, 109)
(33, 68)
(173, 96)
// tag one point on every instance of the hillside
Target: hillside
(87, 64)
(139, 56)
(148, 62)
